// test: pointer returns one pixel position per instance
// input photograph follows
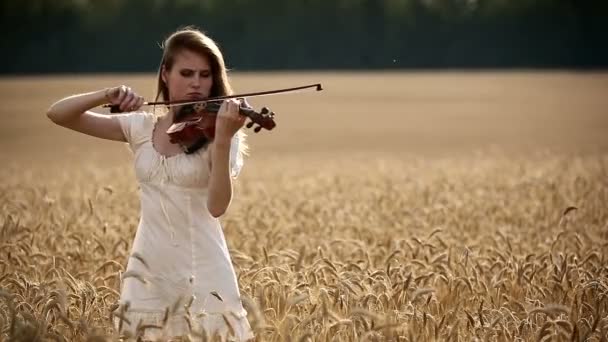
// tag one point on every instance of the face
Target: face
(190, 77)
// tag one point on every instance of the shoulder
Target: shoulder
(136, 126)
(132, 120)
(135, 117)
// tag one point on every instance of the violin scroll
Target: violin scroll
(264, 119)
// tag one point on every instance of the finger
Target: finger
(122, 92)
(244, 103)
(111, 94)
(223, 107)
(132, 104)
(115, 95)
(241, 122)
(235, 107)
(140, 102)
(127, 100)
(238, 113)
(230, 107)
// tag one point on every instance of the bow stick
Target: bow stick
(116, 109)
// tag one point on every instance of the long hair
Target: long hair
(192, 39)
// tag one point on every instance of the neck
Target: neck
(168, 116)
(171, 113)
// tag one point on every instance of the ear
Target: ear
(164, 74)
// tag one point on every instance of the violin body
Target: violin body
(194, 121)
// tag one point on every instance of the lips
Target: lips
(195, 95)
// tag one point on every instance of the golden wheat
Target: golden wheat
(344, 244)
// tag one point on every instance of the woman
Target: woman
(179, 256)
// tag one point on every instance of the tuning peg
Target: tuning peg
(257, 129)
(264, 110)
(250, 124)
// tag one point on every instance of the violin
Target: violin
(196, 119)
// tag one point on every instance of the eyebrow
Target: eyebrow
(188, 69)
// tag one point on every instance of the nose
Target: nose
(196, 82)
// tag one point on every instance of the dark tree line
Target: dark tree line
(124, 35)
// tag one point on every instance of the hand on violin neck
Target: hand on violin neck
(229, 120)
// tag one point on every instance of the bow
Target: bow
(116, 109)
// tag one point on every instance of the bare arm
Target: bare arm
(73, 112)
(220, 182)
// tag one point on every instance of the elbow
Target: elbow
(52, 115)
(58, 116)
(218, 202)
(216, 213)
(215, 210)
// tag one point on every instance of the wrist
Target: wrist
(101, 97)
(106, 94)
(220, 149)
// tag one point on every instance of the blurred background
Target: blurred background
(124, 35)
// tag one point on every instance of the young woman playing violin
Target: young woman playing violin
(184, 189)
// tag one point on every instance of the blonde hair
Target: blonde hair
(192, 39)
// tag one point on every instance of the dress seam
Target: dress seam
(192, 258)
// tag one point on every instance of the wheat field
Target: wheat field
(388, 207)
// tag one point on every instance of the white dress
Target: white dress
(179, 255)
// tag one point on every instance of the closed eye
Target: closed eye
(190, 73)
(186, 72)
